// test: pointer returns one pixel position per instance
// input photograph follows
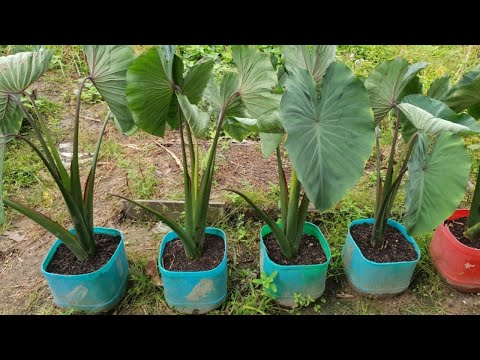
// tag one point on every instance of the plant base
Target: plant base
(372, 279)
(95, 292)
(457, 264)
(305, 280)
(195, 292)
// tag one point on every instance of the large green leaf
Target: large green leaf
(108, 66)
(316, 60)
(434, 117)
(269, 143)
(465, 96)
(11, 115)
(387, 84)
(197, 120)
(19, 71)
(329, 137)
(218, 95)
(150, 91)
(440, 88)
(197, 79)
(436, 182)
(257, 79)
(240, 128)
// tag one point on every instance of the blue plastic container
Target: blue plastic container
(195, 292)
(94, 292)
(374, 279)
(307, 280)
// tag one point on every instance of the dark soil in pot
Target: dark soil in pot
(64, 261)
(174, 258)
(309, 253)
(396, 248)
(457, 227)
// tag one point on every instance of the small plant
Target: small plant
(268, 286)
(107, 66)
(302, 301)
(434, 156)
(327, 147)
(172, 97)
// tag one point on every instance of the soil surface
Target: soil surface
(457, 227)
(395, 249)
(309, 253)
(64, 261)
(174, 258)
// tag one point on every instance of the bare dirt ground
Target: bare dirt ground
(23, 290)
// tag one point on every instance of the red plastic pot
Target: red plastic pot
(458, 264)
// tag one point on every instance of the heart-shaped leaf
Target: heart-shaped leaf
(437, 181)
(329, 137)
(387, 84)
(108, 66)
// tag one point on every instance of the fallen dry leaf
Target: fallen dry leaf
(151, 270)
(14, 235)
(344, 296)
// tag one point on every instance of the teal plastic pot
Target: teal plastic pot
(306, 280)
(195, 292)
(374, 279)
(95, 292)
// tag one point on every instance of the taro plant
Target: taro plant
(432, 152)
(325, 112)
(464, 95)
(108, 66)
(160, 92)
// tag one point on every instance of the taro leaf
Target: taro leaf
(475, 111)
(269, 143)
(197, 79)
(257, 80)
(316, 60)
(389, 82)
(151, 83)
(108, 66)
(465, 96)
(440, 88)
(240, 128)
(17, 73)
(150, 91)
(433, 117)
(197, 120)
(329, 138)
(217, 96)
(436, 182)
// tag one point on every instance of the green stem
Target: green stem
(302, 216)
(378, 165)
(201, 206)
(196, 169)
(187, 185)
(388, 177)
(90, 183)
(75, 185)
(192, 160)
(38, 133)
(474, 216)
(473, 233)
(50, 142)
(283, 190)
(3, 143)
(292, 219)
